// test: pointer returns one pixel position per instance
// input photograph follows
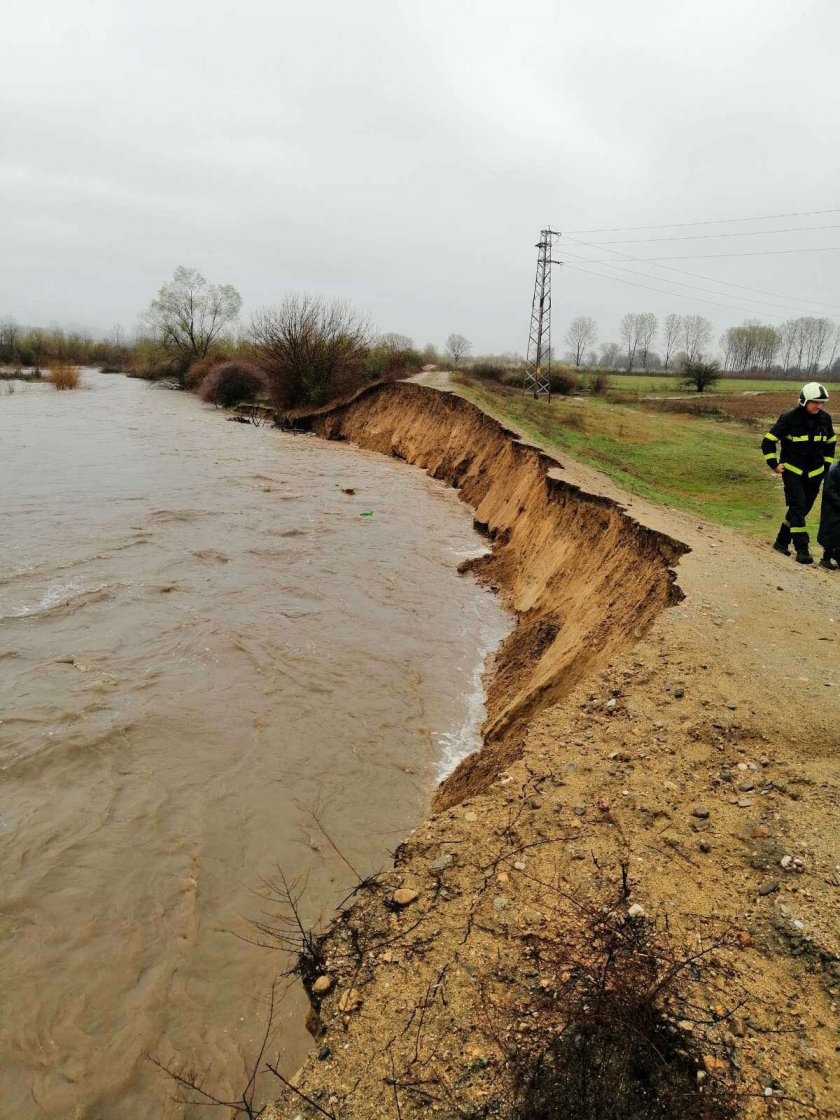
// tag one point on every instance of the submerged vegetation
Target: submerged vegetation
(64, 375)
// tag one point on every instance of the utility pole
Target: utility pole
(538, 361)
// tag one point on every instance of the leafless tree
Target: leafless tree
(696, 336)
(816, 333)
(646, 328)
(312, 349)
(189, 314)
(629, 329)
(9, 334)
(671, 336)
(788, 335)
(582, 333)
(835, 345)
(752, 346)
(610, 355)
(457, 347)
(394, 342)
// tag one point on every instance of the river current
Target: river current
(211, 654)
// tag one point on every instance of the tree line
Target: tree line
(807, 345)
(305, 350)
(34, 347)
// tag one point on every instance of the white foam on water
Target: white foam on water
(463, 740)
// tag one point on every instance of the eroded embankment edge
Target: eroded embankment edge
(583, 578)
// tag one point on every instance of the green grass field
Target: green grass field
(703, 466)
(647, 383)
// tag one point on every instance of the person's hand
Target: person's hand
(780, 469)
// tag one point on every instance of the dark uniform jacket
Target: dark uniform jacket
(829, 534)
(805, 443)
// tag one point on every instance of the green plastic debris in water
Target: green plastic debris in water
(367, 513)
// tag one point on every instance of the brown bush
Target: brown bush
(599, 382)
(604, 1040)
(563, 381)
(63, 375)
(233, 382)
(199, 369)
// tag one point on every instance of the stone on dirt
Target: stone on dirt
(404, 896)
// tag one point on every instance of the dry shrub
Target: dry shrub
(199, 369)
(603, 1040)
(233, 382)
(488, 371)
(563, 381)
(599, 382)
(63, 375)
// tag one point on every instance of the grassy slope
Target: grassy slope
(710, 468)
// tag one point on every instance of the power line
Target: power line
(708, 222)
(711, 279)
(706, 236)
(754, 253)
(665, 291)
(682, 284)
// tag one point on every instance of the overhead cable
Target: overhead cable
(753, 253)
(708, 222)
(713, 279)
(706, 236)
(683, 284)
(664, 291)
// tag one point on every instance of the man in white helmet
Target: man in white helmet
(800, 447)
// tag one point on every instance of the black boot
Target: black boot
(826, 563)
(782, 541)
(804, 557)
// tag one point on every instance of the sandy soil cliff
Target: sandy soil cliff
(686, 748)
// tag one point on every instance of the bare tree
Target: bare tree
(394, 342)
(610, 355)
(752, 346)
(311, 349)
(646, 328)
(835, 344)
(189, 314)
(629, 329)
(582, 333)
(9, 334)
(788, 334)
(816, 333)
(696, 336)
(457, 347)
(671, 336)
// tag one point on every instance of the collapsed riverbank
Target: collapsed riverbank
(680, 763)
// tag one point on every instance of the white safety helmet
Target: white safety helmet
(813, 391)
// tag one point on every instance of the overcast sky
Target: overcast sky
(405, 155)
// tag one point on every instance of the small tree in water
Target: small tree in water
(700, 375)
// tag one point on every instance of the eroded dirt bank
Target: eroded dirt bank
(582, 576)
(692, 754)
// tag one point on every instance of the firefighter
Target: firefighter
(800, 447)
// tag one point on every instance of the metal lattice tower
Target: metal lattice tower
(538, 360)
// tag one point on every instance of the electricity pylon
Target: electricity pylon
(538, 360)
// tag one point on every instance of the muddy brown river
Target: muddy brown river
(206, 646)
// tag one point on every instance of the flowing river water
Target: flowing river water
(205, 649)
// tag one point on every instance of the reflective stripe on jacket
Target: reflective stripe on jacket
(805, 443)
